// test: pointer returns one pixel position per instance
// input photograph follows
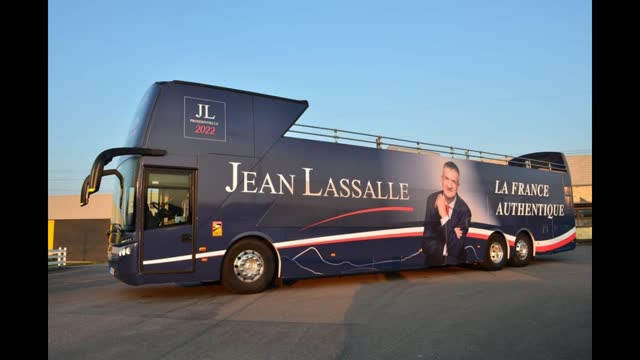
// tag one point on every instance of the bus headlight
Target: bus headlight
(126, 250)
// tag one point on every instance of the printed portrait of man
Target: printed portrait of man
(446, 221)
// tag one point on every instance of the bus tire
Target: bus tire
(496, 256)
(523, 251)
(248, 267)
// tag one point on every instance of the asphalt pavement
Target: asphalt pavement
(542, 311)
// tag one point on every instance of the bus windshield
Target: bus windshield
(123, 213)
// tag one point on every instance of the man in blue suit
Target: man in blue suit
(446, 221)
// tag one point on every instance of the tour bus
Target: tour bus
(218, 184)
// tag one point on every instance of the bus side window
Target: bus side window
(167, 198)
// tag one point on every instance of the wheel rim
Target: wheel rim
(248, 266)
(496, 253)
(522, 249)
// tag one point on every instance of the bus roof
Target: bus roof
(181, 82)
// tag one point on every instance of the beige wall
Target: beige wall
(582, 194)
(580, 167)
(68, 207)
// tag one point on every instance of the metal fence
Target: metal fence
(58, 258)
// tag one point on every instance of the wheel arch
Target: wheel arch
(505, 237)
(530, 234)
(262, 237)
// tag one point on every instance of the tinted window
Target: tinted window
(168, 198)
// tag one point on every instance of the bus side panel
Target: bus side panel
(296, 196)
(220, 216)
(330, 203)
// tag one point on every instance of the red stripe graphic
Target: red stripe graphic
(388, 208)
(556, 245)
(539, 248)
(354, 239)
(477, 236)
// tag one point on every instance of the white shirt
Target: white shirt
(444, 221)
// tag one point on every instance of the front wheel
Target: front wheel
(496, 256)
(248, 267)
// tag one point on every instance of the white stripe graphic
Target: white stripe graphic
(166, 260)
(538, 243)
(489, 232)
(211, 254)
(185, 257)
(342, 237)
(480, 231)
(556, 239)
(548, 242)
(296, 243)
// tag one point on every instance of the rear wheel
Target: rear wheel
(248, 267)
(496, 253)
(523, 251)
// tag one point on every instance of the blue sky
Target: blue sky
(504, 76)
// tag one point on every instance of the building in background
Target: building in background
(82, 230)
(580, 167)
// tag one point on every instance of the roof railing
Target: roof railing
(421, 147)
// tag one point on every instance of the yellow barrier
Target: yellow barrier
(51, 227)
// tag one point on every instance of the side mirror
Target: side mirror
(84, 195)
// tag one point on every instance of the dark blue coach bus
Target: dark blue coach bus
(217, 184)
